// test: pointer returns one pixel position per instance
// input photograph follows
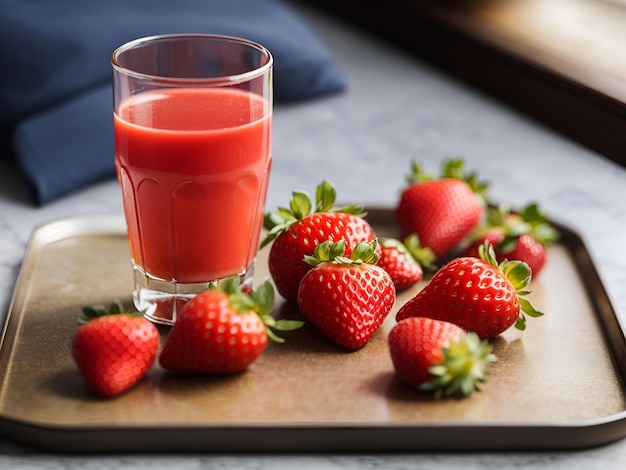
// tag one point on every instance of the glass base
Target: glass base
(161, 300)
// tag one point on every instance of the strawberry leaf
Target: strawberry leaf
(353, 209)
(540, 227)
(497, 215)
(508, 244)
(545, 234)
(417, 174)
(325, 252)
(528, 308)
(531, 213)
(488, 254)
(455, 168)
(333, 252)
(464, 366)
(263, 297)
(422, 255)
(272, 324)
(288, 325)
(519, 275)
(301, 206)
(365, 252)
(260, 301)
(114, 308)
(325, 195)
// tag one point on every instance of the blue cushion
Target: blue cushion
(56, 104)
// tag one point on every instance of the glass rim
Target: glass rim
(226, 79)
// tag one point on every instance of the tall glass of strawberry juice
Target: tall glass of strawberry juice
(192, 119)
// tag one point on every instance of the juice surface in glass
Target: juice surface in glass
(193, 164)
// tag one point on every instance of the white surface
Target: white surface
(397, 108)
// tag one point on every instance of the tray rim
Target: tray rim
(315, 436)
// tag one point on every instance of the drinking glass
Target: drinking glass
(192, 119)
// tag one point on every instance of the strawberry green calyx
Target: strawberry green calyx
(455, 168)
(325, 252)
(530, 220)
(301, 206)
(365, 252)
(114, 308)
(423, 255)
(512, 227)
(519, 275)
(464, 366)
(451, 168)
(540, 227)
(328, 251)
(418, 174)
(260, 301)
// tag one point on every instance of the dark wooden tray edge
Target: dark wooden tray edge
(317, 437)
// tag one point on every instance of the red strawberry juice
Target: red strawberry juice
(193, 165)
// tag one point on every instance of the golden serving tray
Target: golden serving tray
(557, 385)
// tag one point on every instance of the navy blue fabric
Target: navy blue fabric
(69, 146)
(55, 92)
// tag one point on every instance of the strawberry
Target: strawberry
(113, 349)
(524, 236)
(438, 356)
(347, 299)
(478, 294)
(296, 231)
(222, 330)
(405, 261)
(443, 211)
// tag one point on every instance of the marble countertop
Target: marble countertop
(396, 109)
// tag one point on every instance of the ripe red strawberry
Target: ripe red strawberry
(296, 231)
(444, 211)
(405, 262)
(222, 330)
(477, 294)
(347, 299)
(524, 236)
(113, 349)
(438, 356)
